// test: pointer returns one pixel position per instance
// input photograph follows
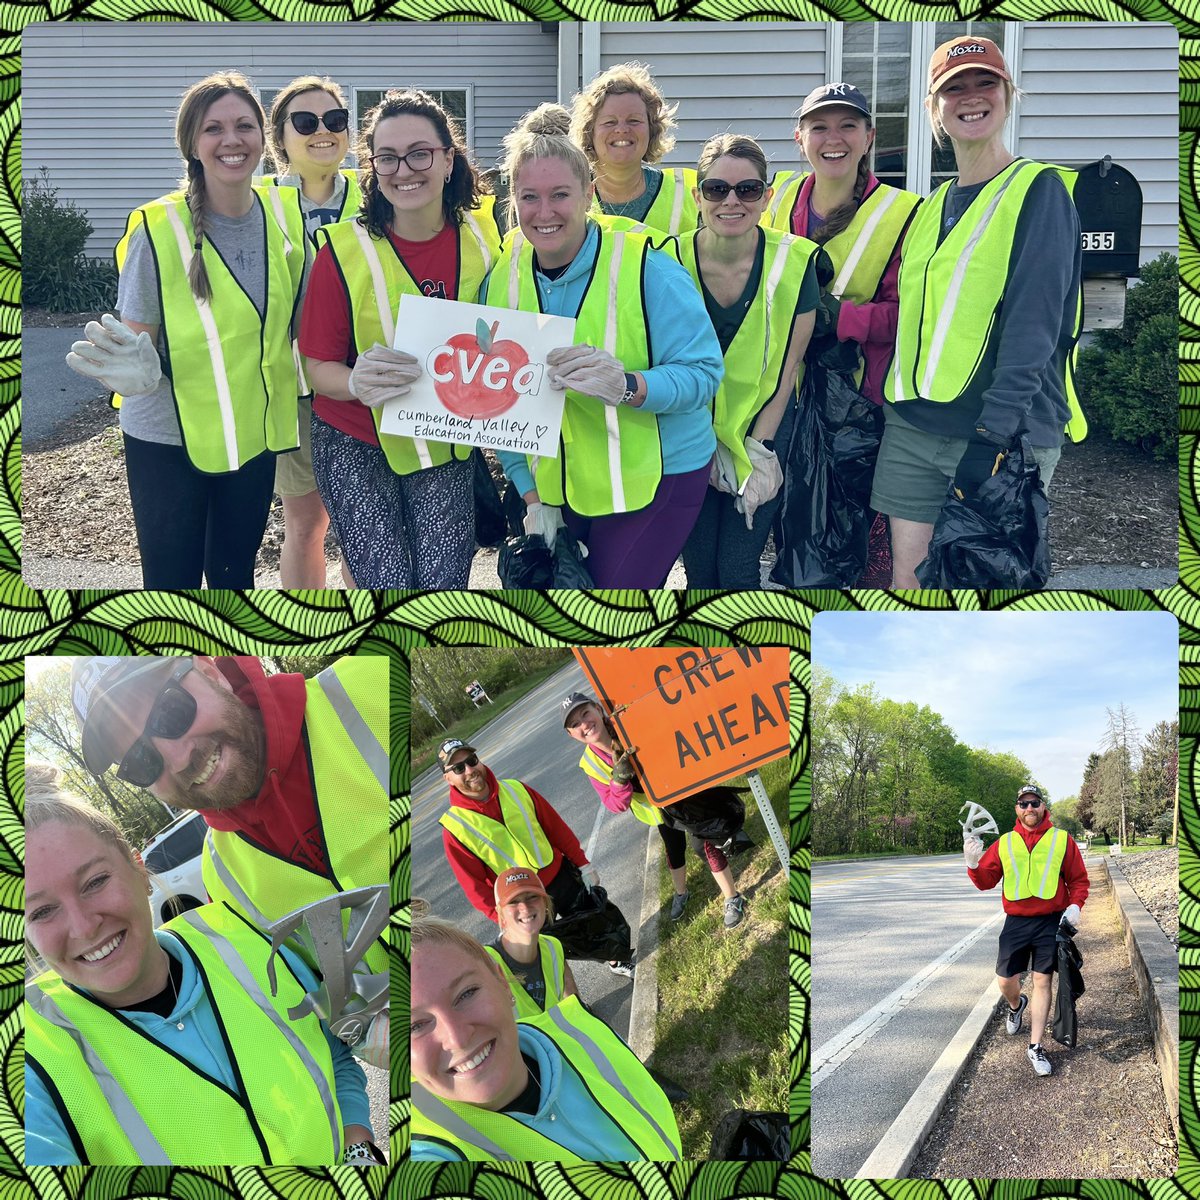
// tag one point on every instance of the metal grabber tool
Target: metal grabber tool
(348, 996)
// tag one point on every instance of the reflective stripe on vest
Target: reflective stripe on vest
(622, 1088)
(594, 766)
(1043, 865)
(550, 962)
(751, 378)
(674, 209)
(346, 729)
(376, 277)
(950, 293)
(128, 1095)
(625, 439)
(351, 195)
(232, 370)
(517, 842)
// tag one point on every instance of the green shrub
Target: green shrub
(1129, 377)
(55, 272)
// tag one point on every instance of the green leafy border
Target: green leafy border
(393, 623)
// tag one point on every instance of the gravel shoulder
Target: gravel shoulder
(1102, 1113)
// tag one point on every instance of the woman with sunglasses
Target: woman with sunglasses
(309, 140)
(403, 508)
(623, 123)
(860, 223)
(132, 1032)
(989, 312)
(760, 289)
(637, 438)
(202, 356)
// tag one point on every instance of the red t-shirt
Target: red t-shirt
(325, 327)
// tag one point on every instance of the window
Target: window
(875, 58)
(456, 101)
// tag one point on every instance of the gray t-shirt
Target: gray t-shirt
(239, 241)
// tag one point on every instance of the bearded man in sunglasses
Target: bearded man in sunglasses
(289, 773)
(1045, 883)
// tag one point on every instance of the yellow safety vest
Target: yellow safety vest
(610, 458)
(375, 278)
(232, 371)
(622, 1088)
(755, 358)
(518, 841)
(950, 293)
(1032, 873)
(346, 733)
(126, 1100)
(553, 966)
(594, 766)
(351, 195)
(674, 209)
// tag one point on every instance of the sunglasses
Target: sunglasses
(718, 189)
(171, 717)
(335, 120)
(472, 760)
(1029, 804)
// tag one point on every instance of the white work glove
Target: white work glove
(545, 519)
(373, 1049)
(766, 478)
(1072, 915)
(588, 371)
(972, 850)
(723, 473)
(124, 361)
(380, 374)
(591, 877)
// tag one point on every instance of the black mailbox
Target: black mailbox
(1109, 201)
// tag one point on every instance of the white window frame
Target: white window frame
(422, 86)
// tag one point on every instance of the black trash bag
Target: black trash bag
(490, 525)
(743, 1134)
(998, 538)
(714, 815)
(825, 516)
(526, 562)
(514, 510)
(1070, 985)
(597, 930)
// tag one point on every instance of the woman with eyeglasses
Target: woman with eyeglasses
(402, 508)
(202, 355)
(989, 312)
(309, 140)
(860, 223)
(623, 123)
(760, 290)
(637, 438)
(131, 1033)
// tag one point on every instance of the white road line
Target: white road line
(591, 842)
(850, 1040)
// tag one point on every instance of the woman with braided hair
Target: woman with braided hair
(202, 355)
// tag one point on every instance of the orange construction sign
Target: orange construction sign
(695, 717)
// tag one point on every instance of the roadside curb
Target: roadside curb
(643, 1007)
(1155, 966)
(1151, 956)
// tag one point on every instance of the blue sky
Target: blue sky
(1033, 684)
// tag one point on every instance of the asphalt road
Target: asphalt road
(893, 977)
(527, 742)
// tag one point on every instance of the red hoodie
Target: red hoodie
(1072, 882)
(282, 818)
(475, 877)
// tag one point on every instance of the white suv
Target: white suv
(173, 859)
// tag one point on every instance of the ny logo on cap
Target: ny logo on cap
(837, 89)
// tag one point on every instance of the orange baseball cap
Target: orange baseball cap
(962, 54)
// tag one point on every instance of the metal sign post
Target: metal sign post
(759, 789)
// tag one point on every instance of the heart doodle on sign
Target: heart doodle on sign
(541, 430)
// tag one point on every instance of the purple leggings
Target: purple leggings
(638, 549)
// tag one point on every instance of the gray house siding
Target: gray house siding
(99, 101)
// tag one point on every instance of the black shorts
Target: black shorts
(1023, 936)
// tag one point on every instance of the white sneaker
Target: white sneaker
(1012, 1018)
(1041, 1064)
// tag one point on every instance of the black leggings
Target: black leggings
(675, 845)
(191, 525)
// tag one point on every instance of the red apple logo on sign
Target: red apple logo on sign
(476, 376)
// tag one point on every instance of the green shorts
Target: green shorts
(294, 470)
(915, 467)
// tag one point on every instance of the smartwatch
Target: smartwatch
(630, 393)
